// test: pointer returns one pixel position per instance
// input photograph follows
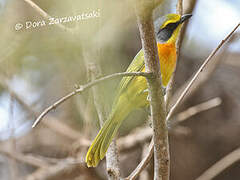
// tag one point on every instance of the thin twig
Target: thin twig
(199, 71)
(13, 164)
(46, 15)
(221, 165)
(143, 134)
(30, 160)
(188, 8)
(197, 109)
(85, 87)
(54, 124)
(145, 174)
(142, 164)
(68, 168)
(135, 139)
(205, 75)
(179, 41)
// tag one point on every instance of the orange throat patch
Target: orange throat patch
(167, 57)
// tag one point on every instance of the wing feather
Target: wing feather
(137, 65)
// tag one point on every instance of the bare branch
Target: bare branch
(52, 123)
(221, 165)
(180, 10)
(205, 75)
(83, 88)
(46, 15)
(145, 174)
(138, 137)
(157, 103)
(24, 158)
(197, 109)
(143, 134)
(199, 71)
(112, 161)
(68, 168)
(142, 164)
(180, 7)
(13, 164)
(188, 8)
(146, 160)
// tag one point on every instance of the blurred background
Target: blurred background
(42, 63)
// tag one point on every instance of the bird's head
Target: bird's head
(168, 26)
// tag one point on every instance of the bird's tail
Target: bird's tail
(102, 141)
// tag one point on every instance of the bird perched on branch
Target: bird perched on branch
(132, 91)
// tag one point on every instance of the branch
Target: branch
(142, 164)
(189, 6)
(14, 171)
(199, 71)
(141, 135)
(145, 174)
(53, 123)
(46, 15)
(30, 160)
(221, 165)
(83, 88)
(205, 75)
(135, 139)
(146, 160)
(179, 44)
(68, 168)
(196, 109)
(157, 104)
(112, 161)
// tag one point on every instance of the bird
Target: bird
(132, 91)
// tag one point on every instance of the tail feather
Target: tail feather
(108, 139)
(102, 141)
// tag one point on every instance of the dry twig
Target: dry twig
(83, 88)
(221, 165)
(197, 109)
(199, 71)
(52, 123)
(142, 164)
(180, 11)
(65, 169)
(30, 160)
(145, 161)
(47, 16)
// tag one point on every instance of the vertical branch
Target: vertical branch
(112, 162)
(170, 86)
(144, 175)
(13, 162)
(188, 8)
(157, 105)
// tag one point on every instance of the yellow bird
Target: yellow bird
(132, 91)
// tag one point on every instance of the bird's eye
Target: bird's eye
(171, 26)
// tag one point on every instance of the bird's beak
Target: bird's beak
(185, 17)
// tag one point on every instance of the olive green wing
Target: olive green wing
(137, 65)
